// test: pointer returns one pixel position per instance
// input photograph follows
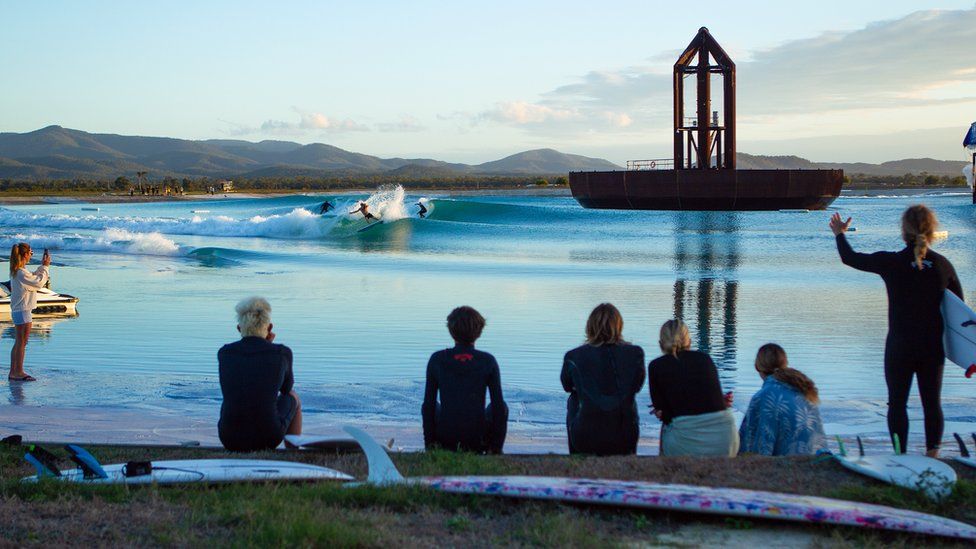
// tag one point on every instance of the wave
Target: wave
(297, 224)
(111, 240)
(913, 195)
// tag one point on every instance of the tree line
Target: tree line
(123, 184)
(908, 180)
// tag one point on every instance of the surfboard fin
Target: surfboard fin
(840, 444)
(962, 445)
(860, 446)
(381, 468)
(43, 461)
(88, 464)
(971, 370)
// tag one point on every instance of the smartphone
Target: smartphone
(45, 251)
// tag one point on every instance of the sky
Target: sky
(475, 81)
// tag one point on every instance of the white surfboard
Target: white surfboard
(671, 497)
(968, 461)
(321, 442)
(959, 337)
(932, 477)
(208, 471)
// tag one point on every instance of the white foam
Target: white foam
(386, 204)
(297, 224)
(967, 171)
(111, 240)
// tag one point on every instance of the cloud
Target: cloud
(308, 122)
(520, 112)
(524, 114)
(406, 124)
(920, 60)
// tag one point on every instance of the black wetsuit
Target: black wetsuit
(423, 210)
(601, 412)
(255, 379)
(461, 421)
(326, 206)
(915, 325)
(686, 385)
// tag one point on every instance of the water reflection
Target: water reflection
(382, 237)
(42, 328)
(17, 396)
(706, 289)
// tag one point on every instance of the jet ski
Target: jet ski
(49, 303)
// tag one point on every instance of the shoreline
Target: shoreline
(109, 198)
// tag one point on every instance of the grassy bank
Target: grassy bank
(327, 514)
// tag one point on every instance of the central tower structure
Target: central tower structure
(702, 173)
(698, 139)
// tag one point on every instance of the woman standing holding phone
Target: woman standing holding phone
(23, 299)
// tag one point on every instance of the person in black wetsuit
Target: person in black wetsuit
(326, 206)
(364, 209)
(461, 375)
(260, 407)
(916, 279)
(602, 378)
(423, 210)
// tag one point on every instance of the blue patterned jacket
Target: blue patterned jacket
(780, 421)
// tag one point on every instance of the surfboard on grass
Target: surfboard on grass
(671, 497)
(930, 476)
(174, 471)
(959, 337)
(324, 443)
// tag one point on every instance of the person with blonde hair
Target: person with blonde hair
(260, 406)
(783, 417)
(23, 299)
(686, 395)
(916, 279)
(602, 377)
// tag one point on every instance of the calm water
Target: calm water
(363, 310)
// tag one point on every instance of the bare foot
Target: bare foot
(932, 453)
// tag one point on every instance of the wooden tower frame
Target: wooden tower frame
(695, 144)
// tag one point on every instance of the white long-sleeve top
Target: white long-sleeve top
(23, 288)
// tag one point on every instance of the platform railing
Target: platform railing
(653, 164)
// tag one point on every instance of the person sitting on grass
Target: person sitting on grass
(686, 396)
(256, 380)
(602, 377)
(460, 376)
(783, 418)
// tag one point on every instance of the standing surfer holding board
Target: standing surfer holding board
(916, 278)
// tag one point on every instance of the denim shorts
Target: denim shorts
(21, 317)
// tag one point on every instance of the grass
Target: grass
(329, 514)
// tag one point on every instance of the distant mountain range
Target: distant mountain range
(893, 167)
(60, 153)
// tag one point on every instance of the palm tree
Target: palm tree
(141, 177)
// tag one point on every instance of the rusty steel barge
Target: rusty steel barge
(702, 174)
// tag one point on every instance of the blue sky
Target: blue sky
(472, 82)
